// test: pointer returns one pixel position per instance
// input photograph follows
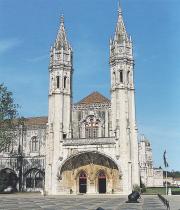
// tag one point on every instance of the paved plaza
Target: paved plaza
(80, 202)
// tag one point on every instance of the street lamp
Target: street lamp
(20, 154)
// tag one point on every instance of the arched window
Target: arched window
(65, 80)
(128, 77)
(34, 178)
(57, 78)
(91, 128)
(121, 76)
(7, 149)
(34, 144)
(38, 180)
(114, 78)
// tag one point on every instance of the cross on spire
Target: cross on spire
(119, 8)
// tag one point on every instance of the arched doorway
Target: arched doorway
(82, 182)
(34, 179)
(102, 182)
(91, 163)
(8, 178)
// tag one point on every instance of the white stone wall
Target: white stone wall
(150, 177)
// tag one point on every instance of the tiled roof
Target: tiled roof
(94, 98)
(36, 121)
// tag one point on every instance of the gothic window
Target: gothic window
(7, 149)
(57, 78)
(128, 75)
(114, 78)
(121, 76)
(91, 129)
(88, 132)
(34, 179)
(79, 115)
(38, 180)
(65, 80)
(95, 132)
(34, 144)
(29, 181)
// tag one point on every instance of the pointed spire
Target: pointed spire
(120, 32)
(61, 40)
(62, 19)
(119, 8)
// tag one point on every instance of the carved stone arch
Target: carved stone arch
(87, 157)
(80, 171)
(34, 179)
(102, 170)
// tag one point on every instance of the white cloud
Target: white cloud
(8, 44)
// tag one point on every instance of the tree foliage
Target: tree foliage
(174, 174)
(8, 114)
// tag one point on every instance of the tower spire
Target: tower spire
(62, 19)
(61, 40)
(119, 8)
(120, 32)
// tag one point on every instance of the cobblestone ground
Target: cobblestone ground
(79, 202)
(174, 202)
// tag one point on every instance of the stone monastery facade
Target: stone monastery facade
(87, 147)
(92, 146)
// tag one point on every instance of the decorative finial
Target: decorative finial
(62, 19)
(119, 8)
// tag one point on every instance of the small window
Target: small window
(7, 149)
(57, 81)
(34, 144)
(128, 75)
(64, 135)
(114, 77)
(65, 78)
(121, 76)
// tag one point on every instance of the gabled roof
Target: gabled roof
(94, 98)
(36, 121)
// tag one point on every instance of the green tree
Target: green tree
(8, 116)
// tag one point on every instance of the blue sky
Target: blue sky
(28, 29)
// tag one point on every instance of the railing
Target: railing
(89, 141)
(165, 201)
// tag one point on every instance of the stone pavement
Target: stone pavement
(174, 201)
(80, 202)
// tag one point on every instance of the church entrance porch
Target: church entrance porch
(89, 173)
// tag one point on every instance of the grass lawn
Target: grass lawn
(160, 190)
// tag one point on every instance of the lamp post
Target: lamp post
(166, 166)
(20, 155)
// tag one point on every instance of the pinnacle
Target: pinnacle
(119, 8)
(62, 19)
(61, 40)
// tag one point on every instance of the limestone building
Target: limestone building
(87, 147)
(150, 176)
(91, 146)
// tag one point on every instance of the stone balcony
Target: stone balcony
(89, 141)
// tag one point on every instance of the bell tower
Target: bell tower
(60, 104)
(123, 104)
